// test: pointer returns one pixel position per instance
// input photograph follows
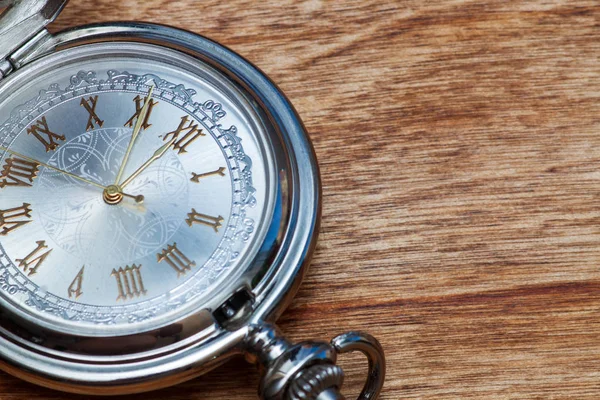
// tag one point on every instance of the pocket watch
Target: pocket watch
(159, 205)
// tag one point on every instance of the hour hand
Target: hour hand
(108, 190)
(157, 154)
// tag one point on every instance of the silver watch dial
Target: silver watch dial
(132, 186)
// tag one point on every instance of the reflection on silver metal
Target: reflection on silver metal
(171, 350)
(315, 381)
(23, 20)
(307, 371)
(171, 334)
(370, 347)
(128, 235)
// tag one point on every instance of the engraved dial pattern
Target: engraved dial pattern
(69, 211)
(132, 261)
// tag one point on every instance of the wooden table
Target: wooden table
(460, 157)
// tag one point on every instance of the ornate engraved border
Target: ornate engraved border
(231, 244)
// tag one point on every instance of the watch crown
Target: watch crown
(314, 380)
(307, 370)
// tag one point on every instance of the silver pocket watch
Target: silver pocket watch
(159, 205)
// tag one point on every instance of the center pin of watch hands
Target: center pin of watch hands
(113, 193)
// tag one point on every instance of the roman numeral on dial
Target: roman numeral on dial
(18, 172)
(42, 133)
(139, 104)
(195, 217)
(90, 105)
(196, 177)
(35, 259)
(186, 133)
(75, 286)
(14, 218)
(176, 259)
(129, 282)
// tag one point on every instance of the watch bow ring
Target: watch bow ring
(159, 205)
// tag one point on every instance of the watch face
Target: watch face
(134, 184)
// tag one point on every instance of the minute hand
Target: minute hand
(157, 154)
(136, 131)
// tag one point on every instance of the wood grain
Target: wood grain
(460, 158)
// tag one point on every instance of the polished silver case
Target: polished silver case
(237, 322)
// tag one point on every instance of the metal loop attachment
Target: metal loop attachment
(307, 370)
(370, 347)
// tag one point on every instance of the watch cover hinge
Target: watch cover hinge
(5, 68)
(22, 25)
(235, 309)
(31, 49)
(28, 51)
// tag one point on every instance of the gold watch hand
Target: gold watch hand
(157, 154)
(138, 198)
(51, 167)
(136, 131)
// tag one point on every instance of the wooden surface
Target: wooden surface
(459, 147)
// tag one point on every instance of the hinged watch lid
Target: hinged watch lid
(20, 22)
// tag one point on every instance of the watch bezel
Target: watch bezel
(272, 282)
